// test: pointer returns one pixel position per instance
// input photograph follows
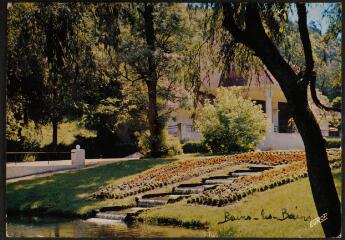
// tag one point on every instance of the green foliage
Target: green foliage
(50, 61)
(171, 146)
(326, 55)
(29, 158)
(194, 147)
(231, 123)
(12, 125)
(333, 142)
(97, 65)
(144, 142)
(333, 15)
(336, 102)
(24, 144)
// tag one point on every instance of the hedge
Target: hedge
(194, 147)
(333, 142)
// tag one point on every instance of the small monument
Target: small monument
(78, 156)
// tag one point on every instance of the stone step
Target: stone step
(190, 185)
(219, 181)
(145, 203)
(175, 196)
(215, 177)
(134, 209)
(241, 174)
(243, 171)
(260, 168)
(113, 215)
(157, 196)
(188, 190)
(103, 221)
(191, 190)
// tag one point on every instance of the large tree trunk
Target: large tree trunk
(55, 133)
(151, 83)
(320, 176)
(154, 124)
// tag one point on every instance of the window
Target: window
(284, 116)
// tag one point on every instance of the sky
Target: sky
(314, 13)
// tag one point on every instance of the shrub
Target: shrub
(194, 147)
(333, 142)
(231, 123)
(170, 145)
(25, 145)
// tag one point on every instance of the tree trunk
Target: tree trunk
(154, 124)
(55, 132)
(320, 176)
(151, 83)
(20, 136)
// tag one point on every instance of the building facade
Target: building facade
(282, 134)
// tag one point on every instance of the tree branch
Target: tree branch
(304, 35)
(309, 75)
(256, 39)
(229, 23)
(315, 98)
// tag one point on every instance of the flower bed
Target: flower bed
(184, 170)
(244, 186)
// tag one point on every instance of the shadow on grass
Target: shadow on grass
(65, 193)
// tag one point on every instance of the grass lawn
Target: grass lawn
(66, 193)
(296, 197)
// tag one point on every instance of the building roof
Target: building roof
(213, 80)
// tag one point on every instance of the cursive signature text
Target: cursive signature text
(265, 215)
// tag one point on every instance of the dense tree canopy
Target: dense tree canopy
(96, 69)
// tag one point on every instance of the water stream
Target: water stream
(23, 226)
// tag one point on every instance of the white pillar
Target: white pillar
(78, 156)
(269, 109)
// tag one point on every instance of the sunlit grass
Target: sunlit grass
(67, 132)
(295, 197)
(67, 193)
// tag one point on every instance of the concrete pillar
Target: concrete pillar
(78, 156)
(269, 109)
(181, 131)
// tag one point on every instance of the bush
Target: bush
(194, 147)
(231, 123)
(106, 148)
(333, 142)
(144, 142)
(25, 145)
(170, 145)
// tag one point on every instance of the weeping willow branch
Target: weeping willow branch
(315, 98)
(309, 76)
